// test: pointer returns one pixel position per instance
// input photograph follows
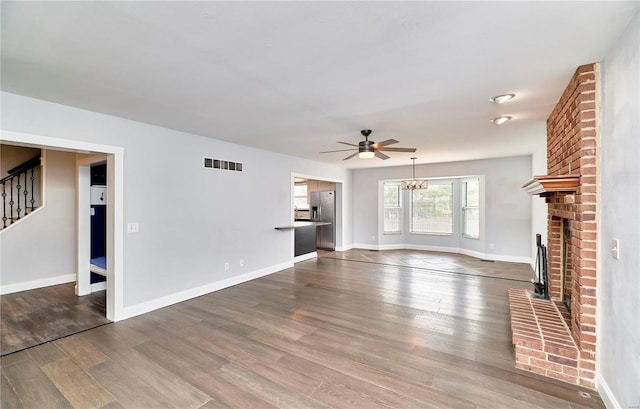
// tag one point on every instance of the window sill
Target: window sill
(430, 234)
(471, 237)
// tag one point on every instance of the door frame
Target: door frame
(115, 207)
(339, 212)
(83, 200)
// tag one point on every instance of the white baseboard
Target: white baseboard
(382, 247)
(473, 253)
(394, 247)
(496, 257)
(365, 246)
(509, 259)
(476, 254)
(32, 285)
(606, 394)
(180, 296)
(344, 248)
(439, 249)
(303, 257)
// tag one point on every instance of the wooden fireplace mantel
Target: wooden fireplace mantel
(540, 185)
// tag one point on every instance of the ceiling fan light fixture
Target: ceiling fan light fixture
(499, 99)
(369, 149)
(414, 184)
(500, 120)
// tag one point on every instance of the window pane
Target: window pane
(392, 208)
(472, 192)
(300, 196)
(300, 202)
(471, 221)
(392, 220)
(471, 208)
(432, 208)
(391, 195)
(300, 190)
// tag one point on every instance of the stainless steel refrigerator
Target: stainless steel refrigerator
(323, 209)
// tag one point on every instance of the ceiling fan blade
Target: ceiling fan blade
(351, 156)
(347, 143)
(385, 143)
(381, 155)
(397, 149)
(339, 150)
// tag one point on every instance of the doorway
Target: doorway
(307, 191)
(38, 311)
(114, 158)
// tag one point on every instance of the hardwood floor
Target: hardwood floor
(36, 316)
(437, 261)
(327, 333)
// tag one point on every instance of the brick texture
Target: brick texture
(572, 149)
(542, 339)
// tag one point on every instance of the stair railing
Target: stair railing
(24, 201)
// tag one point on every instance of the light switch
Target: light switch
(133, 227)
(615, 249)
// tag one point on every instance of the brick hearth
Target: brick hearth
(542, 339)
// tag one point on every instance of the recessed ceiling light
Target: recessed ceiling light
(499, 99)
(500, 120)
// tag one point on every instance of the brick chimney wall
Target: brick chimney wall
(572, 130)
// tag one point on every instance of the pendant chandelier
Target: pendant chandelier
(414, 183)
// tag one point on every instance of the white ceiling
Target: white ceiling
(295, 77)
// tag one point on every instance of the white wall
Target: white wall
(507, 208)
(192, 220)
(619, 280)
(40, 250)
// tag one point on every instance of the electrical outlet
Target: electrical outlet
(226, 266)
(133, 227)
(241, 262)
(492, 246)
(373, 238)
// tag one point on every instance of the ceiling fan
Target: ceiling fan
(368, 149)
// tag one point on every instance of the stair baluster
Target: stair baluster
(11, 202)
(4, 204)
(18, 188)
(24, 196)
(33, 178)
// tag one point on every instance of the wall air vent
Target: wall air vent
(222, 164)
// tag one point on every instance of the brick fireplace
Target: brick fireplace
(569, 189)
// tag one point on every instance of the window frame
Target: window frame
(466, 207)
(399, 209)
(432, 182)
